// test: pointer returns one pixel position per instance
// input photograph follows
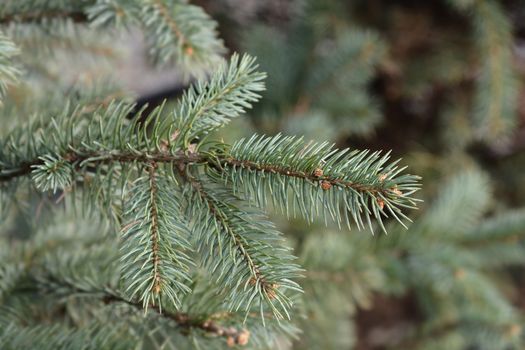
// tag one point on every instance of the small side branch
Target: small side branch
(25, 168)
(157, 281)
(210, 324)
(185, 321)
(221, 218)
(164, 12)
(325, 181)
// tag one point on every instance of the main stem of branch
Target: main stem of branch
(154, 229)
(182, 158)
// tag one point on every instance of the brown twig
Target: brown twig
(325, 179)
(74, 158)
(209, 325)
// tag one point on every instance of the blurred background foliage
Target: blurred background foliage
(438, 82)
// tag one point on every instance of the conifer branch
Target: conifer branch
(209, 324)
(324, 180)
(360, 179)
(14, 171)
(210, 105)
(344, 185)
(222, 220)
(193, 261)
(495, 112)
(173, 192)
(175, 31)
(496, 97)
(9, 73)
(155, 265)
(262, 276)
(159, 6)
(157, 279)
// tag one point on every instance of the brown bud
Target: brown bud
(318, 172)
(192, 148)
(459, 274)
(396, 191)
(164, 145)
(181, 318)
(514, 330)
(512, 239)
(174, 135)
(381, 203)
(230, 342)
(243, 337)
(270, 290)
(70, 157)
(214, 328)
(156, 288)
(189, 50)
(326, 185)
(382, 177)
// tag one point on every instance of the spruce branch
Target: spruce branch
(323, 91)
(210, 325)
(62, 286)
(160, 9)
(91, 336)
(344, 185)
(496, 98)
(24, 11)
(154, 244)
(174, 188)
(79, 159)
(9, 73)
(318, 176)
(242, 250)
(80, 277)
(212, 104)
(461, 204)
(53, 174)
(190, 32)
(495, 112)
(176, 32)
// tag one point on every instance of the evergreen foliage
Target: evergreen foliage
(447, 76)
(176, 31)
(496, 94)
(346, 186)
(449, 258)
(311, 68)
(8, 71)
(131, 226)
(194, 262)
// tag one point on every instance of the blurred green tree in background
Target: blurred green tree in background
(440, 83)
